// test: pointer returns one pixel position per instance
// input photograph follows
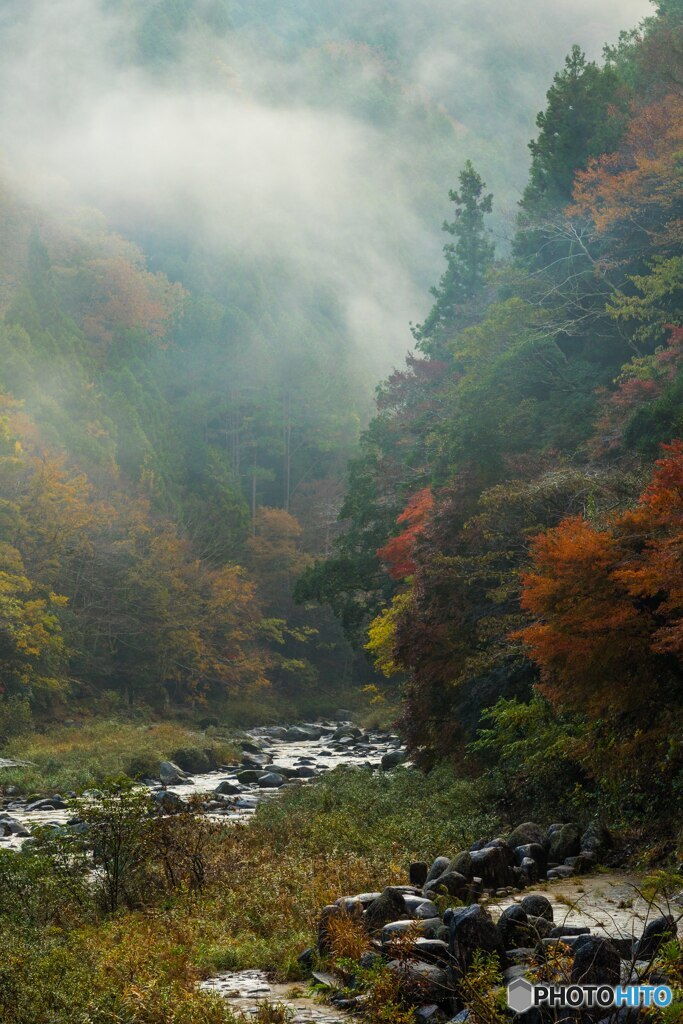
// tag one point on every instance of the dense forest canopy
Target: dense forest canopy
(511, 557)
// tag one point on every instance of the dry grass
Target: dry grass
(67, 758)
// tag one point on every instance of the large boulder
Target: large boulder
(463, 864)
(421, 981)
(227, 788)
(538, 906)
(10, 826)
(438, 867)
(302, 733)
(563, 841)
(657, 932)
(528, 832)
(452, 883)
(597, 840)
(596, 962)
(529, 872)
(250, 775)
(492, 865)
(271, 781)
(513, 925)
(388, 907)
(392, 759)
(195, 760)
(533, 850)
(169, 802)
(171, 774)
(469, 930)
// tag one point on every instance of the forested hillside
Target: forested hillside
(216, 223)
(511, 557)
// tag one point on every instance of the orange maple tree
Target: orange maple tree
(608, 603)
(397, 553)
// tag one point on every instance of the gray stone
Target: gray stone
(250, 775)
(539, 927)
(227, 788)
(657, 932)
(528, 832)
(564, 842)
(463, 864)
(534, 851)
(529, 871)
(537, 906)
(392, 759)
(492, 865)
(431, 981)
(596, 962)
(271, 781)
(513, 925)
(171, 774)
(597, 840)
(561, 871)
(426, 928)
(561, 930)
(305, 772)
(450, 883)
(439, 866)
(583, 863)
(472, 929)
(431, 950)
(388, 907)
(168, 801)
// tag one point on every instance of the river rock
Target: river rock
(597, 840)
(463, 864)
(533, 850)
(392, 759)
(168, 801)
(439, 866)
(50, 803)
(194, 760)
(596, 962)
(492, 865)
(304, 771)
(171, 774)
(270, 780)
(429, 980)
(250, 775)
(513, 925)
(561, 871)
(10, 826)
(537, 906)
(471, 929)
(529, 871)
(388, 907)
(528, 832)
(432, 950)
(453, 883)
(657, 932)
(227, 788)
(563, 841)
(302, 733)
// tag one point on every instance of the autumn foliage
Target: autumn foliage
(398, 552)
(608, 603)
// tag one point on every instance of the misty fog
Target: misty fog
(257, 138)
